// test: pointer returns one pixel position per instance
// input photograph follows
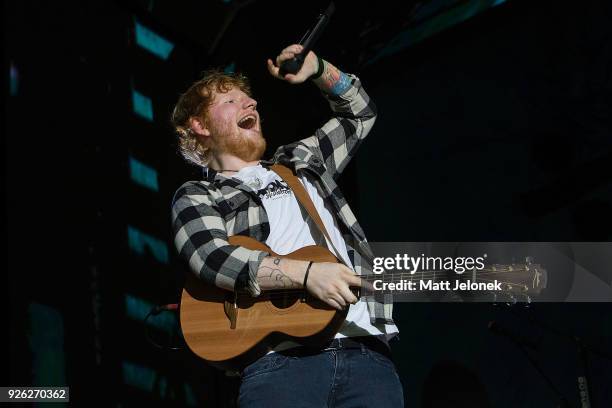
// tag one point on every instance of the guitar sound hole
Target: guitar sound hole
(283, 301)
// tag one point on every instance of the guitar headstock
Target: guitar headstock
(519, 282)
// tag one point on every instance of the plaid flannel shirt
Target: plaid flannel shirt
(206, 212)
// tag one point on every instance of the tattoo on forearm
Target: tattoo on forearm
(334, 80)
(274, 278)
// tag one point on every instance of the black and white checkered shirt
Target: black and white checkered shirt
(206, 212)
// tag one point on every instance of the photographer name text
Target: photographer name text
(423, 285)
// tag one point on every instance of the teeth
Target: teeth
(246, 118)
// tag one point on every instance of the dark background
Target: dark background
(496, 129)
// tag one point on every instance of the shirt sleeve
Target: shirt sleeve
(337, 141)
(201, 239)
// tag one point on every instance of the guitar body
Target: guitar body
(231, 331)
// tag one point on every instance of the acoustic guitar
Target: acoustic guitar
(231, 329)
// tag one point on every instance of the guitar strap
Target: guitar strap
(304, 199)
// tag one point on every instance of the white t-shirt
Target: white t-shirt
(289, 232)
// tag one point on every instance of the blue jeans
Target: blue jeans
(336, 377)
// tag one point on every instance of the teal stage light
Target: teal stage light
(144, 175)
(230, 69)
(46, 338)
(138, 242)
(142, 105)
(137, 308)
(152, 42)
(454, 12)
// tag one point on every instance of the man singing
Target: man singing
(219, 129)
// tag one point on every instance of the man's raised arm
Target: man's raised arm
(354, 113)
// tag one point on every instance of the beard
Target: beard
(247, 146)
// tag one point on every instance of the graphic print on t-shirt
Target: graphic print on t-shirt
(274, 190)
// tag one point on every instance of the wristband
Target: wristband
(306, 280)
(319, 70)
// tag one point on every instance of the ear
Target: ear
(198, 127)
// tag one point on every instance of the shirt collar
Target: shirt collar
(212, 174)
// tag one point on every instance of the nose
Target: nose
(250, 103)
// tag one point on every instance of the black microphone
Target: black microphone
(293, 65)
(499, 330)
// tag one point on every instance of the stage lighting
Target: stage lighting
(144, 175)
(139, 242)
(152, 42)
(142, 105)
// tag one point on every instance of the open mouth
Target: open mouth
(248, 122)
